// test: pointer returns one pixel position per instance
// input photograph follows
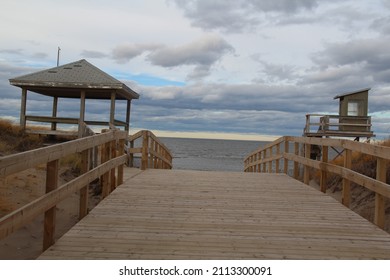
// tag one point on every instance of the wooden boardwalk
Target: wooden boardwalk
(177, 214)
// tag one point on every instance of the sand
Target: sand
(18, 189)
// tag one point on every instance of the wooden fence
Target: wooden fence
(275, 157)
(154, 154)
(110, 171)
(334, 125)
(108, 167)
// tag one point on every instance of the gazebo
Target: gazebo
(81, 80)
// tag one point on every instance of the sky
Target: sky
(242, 69)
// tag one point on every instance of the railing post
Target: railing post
(285, 160)
(112, 171)
(270, 162)
(264, 165)
(346, 192)
(324, 173)
(120, 167)
(277, 161)
(131, 155)
(50, 215)
(296, 165)
(83, 205)
(379, 218)
(145, 150)
(105, 178)
(253, 165)
(306, 169)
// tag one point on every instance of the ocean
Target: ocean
(210, 154)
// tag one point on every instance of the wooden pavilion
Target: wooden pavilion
(81, 80)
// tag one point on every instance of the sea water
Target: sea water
(210, 154)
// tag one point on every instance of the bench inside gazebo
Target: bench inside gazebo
(80, 80)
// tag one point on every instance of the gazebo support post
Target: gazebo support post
(128, 116)
(23, 110)
(54, 113)
(112, 110)
(82, 113)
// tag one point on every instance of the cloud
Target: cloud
(367, 58)
(12, 51)
(93, 54)
(126, 52)
(202, 53)
(382, 25)
(238, 15)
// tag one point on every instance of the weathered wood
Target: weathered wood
(346, 193)
(21, 161)
(82, 113)
(50, 214)
(306, 169)
(52, 119)
(181, 214)
(105, 178)
(145, 150)
(83, 207)
(296, 165)
(379, 218)
(112, 109)
(381, 153)
(349, 126)
(121, 148)
(324, 174)
(112, 171)
(25, 214)
(285, 161)
(54, 112)
(23, 107)
(128, 107)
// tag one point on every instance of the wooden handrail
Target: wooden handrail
(342, 124)
(266, 159)
(154, 154)
(113, 142)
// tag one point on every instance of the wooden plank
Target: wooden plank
(21, 161)
(23, 215)
(346, 192)
(324, 174)
(181, 214)
(379, 217)
(82, 113)
(83, 204)
(53, 119)
(50, 214)
(145, 150)
(23, 107)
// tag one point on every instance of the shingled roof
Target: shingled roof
(70, 79)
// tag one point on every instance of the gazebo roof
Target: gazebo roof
(70, 79)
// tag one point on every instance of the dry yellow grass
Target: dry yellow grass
(13, 140)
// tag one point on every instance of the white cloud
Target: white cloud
(228, 66)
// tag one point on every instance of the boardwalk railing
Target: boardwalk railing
(275, 158)
(154, 154)
(110, 169)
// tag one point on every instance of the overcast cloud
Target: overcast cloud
(242, 66)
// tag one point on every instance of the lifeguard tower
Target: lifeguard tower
(352, 121)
